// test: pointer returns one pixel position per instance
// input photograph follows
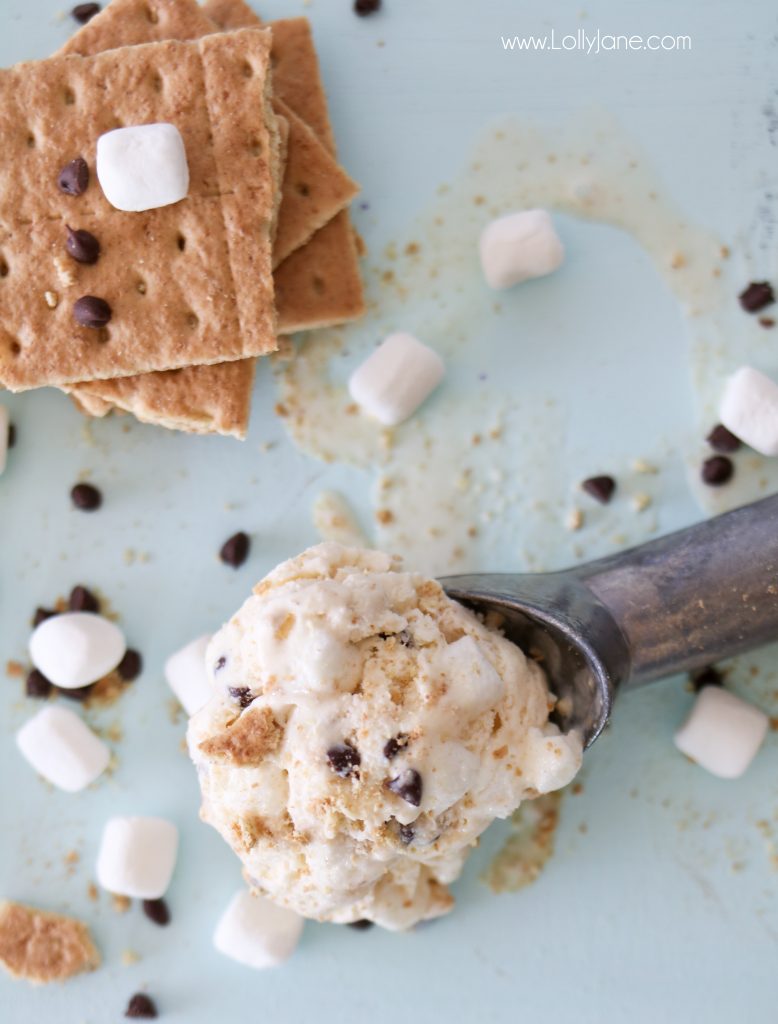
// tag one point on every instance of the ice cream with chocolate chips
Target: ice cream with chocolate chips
(364, 731)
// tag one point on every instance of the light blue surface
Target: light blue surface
(665, 908)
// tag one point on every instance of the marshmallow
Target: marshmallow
(518, 247)
(722, 733)
(62, 749)
(4, 428)
(749, 408)
(137, 857)
(256, 932)
(393, 382)
(76, 649)
(188, 677)
(143, 167)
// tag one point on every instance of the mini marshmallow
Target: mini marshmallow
(142, 167)
(518, 247)
(256, 932)
(76, 649)
(749, 408)
(394, 381)
(137, 857)
(188, 677)
(722, 733)
(63, 749)
(4, 428)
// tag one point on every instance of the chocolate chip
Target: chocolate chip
(365, 7)
(235, 551)
(709, 676)
(407, 835)
(41, 614)
(157, 911)
(79, 693)
(131, 665)
(82, 245)
(221, 662)
(408, 786)
(11, 435)
(83, 600)
(393, 746)
(86, 497)
(37, 685)
(74, 177)
(241, 695)
(758, 295)
(404, 637)
(600, 488)
(361, 926)
(141, 1005)
(344, 760)
(722, 440)
(85, 12)
(717, 470)
(91, 311)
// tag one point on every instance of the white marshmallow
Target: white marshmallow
(187, 675)
(749, 408)
(256, 932)
(518, 247)
(142, 167)
(137, 857)
(393, 382)
(63, 749)
(4, 427)
(722, 733)
(76, 649)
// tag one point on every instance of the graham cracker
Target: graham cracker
(176, 278)
(42, 947)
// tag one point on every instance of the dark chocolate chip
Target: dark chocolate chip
(74, 177)
(11, 435)
(141, 1005)
(41, 614)
(157, 911)
(365, 7)
(86, 497)
(758, 295)
(131, 665)
(91, 311)
(83, 600)
(404, 637)
(362, 925)
(600, 488)
(82, 245)
(393, 746)
(241, 695)
(79, 693)
(407, 835)
(722, 440)
(235, 551)
(709, 676)
(85, 12)
(37, 685)
(407, 785)
(221, 662)
(344, 760)
(717, 470)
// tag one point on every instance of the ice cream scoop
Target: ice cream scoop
(680, 602)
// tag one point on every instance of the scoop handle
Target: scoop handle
(694, 597)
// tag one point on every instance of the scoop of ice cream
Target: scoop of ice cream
(364, 731)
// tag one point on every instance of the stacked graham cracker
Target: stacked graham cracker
(261, 246)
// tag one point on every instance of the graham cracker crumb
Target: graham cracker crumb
(254, 735)
(121, 904)
(129, 957)
(51, 299)
(42, 947)
(14, 669)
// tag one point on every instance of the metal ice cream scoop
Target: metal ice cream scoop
(673, 605)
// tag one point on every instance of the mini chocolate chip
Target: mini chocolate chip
(131, 665)
(85, 12)
(362, 925)
(41, 614)
(722, 440)
(393, 746)
(344, 760)
(157, 911)
(235, 551)
(86, 497)
(717, 470)
(221, 662)
(758, 295)
(241, 695)
(141, 1005)
(11, 435)
(407, 785)
(74, 177)
(600, 488)
(365, 7)
(83, 600)
(37, 685)
(407, 835)
(709, 676)
(91, 311)
(82, 245)
(79, 693)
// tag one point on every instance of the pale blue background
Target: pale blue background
(665, 909)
